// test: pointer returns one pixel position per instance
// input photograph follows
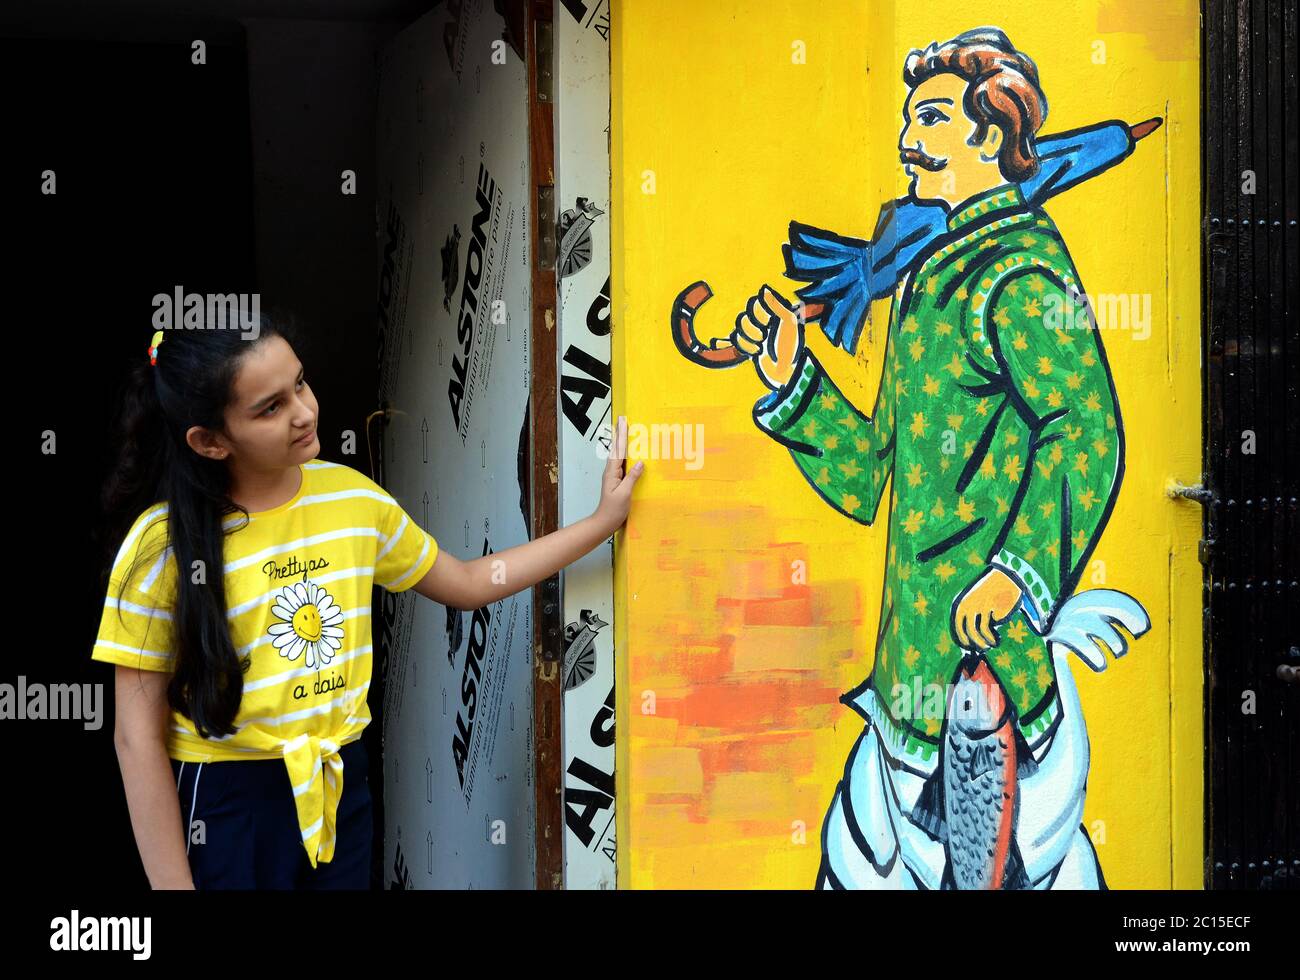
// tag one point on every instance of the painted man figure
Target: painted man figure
(997, 420)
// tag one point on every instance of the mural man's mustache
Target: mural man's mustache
(922, 160)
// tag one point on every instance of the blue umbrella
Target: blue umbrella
(845, 274)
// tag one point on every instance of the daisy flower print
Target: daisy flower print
(310, 623)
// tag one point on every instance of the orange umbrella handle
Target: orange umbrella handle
(720, 352)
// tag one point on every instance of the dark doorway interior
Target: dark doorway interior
(220, 178)
(1252, 399)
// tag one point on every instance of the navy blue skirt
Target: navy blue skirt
(243, 826)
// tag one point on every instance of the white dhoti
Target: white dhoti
(870, 841)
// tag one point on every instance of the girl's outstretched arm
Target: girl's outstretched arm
(140, 736)
(471, 584)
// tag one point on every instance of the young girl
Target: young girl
(238, 613)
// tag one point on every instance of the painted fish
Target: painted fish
(980, 762)
(970, 802)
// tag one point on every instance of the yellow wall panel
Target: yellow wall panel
(746, 606)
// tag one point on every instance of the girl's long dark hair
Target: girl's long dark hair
(191, 384)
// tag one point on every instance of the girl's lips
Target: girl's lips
(305, 439)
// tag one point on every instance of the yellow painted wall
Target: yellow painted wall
(718, 142)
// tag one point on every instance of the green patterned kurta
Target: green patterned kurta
(997, 419)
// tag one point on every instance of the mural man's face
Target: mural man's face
(934, 144)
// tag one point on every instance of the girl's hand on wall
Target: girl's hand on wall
(616, 488)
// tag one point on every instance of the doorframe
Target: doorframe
(547, 613)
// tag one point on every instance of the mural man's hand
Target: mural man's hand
(989, 599)
(771, 332)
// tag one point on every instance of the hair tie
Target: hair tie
(153, 346)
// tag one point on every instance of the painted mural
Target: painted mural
(997, 421)
(960, 360)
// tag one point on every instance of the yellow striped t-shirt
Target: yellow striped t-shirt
(298, 582)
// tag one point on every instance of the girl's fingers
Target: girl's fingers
(615, 457)
(629, 481)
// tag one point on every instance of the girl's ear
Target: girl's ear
(206, 443)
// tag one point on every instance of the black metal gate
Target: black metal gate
(1252, 424)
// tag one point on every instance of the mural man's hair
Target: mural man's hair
(1002, 90)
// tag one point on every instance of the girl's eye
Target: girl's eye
(270, 409)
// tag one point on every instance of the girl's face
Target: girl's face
(272, 415)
